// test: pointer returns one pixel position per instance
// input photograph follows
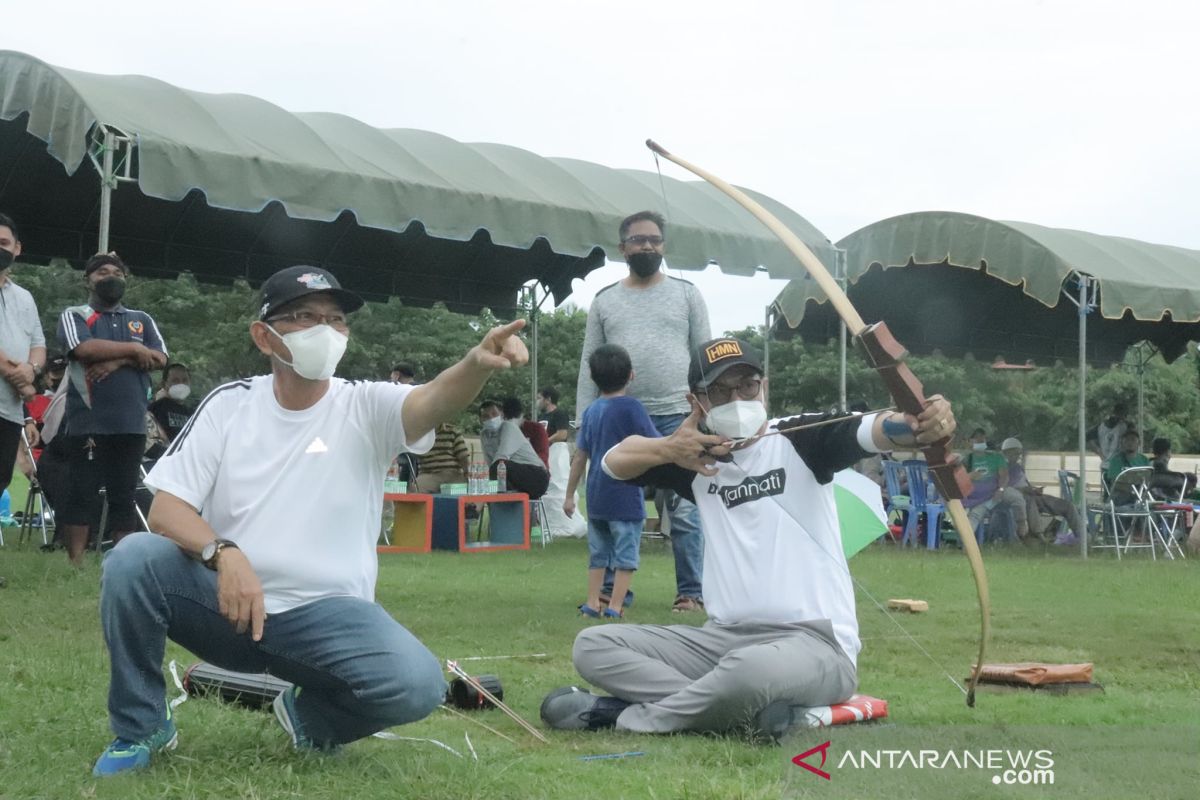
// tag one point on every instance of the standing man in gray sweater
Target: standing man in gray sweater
(660, 321)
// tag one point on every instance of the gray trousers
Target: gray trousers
(1058, 506)
(712, 678)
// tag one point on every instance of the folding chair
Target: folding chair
(1166, 516)
(34, 497)
(1129, 522)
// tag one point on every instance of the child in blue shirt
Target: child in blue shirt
(616, 509)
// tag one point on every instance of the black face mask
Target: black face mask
(6, 259)
(643, 263)
(110, 290)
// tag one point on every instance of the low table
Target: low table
(412, 525)
(508, 517)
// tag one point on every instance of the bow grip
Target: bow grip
(887, 355)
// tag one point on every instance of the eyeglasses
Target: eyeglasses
(641, 239)
(720, 393)
(308, 319)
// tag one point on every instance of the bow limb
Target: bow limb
(887, 356)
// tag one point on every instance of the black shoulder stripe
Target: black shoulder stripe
(183, 434)
(605, 289)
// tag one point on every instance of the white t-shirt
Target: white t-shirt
(299, 491)
(772, 541)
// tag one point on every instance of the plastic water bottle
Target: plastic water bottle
(476, 481)
(502, 477)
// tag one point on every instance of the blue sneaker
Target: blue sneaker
(285, 712)
(284, 706)
(123, 755)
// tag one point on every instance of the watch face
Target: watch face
(208, 552)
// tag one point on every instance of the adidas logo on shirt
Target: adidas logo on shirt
(755, 487)
(316, 446)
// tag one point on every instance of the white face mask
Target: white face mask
(493, 423)
(980, 446)
(738, 419)
(179, 391)
(315, 351)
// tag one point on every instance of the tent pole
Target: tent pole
(533, 360)
(840, 260)
(107, 181)
(1141, 373)
(1085, 282)
(768, 326)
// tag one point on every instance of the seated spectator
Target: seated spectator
(989, 474)
(167, 415)
(446, 461)
(536, 433)
(1127, 457)
(553, 416)
(1165, 484)
(502, 440)
(1037, 501)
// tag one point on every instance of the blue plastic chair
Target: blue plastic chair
(923, 498)
(898, 501)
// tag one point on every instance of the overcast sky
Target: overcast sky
(1069, 114)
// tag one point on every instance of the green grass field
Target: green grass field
(1138, 621)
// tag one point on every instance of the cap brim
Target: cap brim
(347, 300)
(715, 372)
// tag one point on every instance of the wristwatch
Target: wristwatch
(208, 556)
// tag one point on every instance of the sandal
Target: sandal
(588, 611)
(685, 604)
(611, 614)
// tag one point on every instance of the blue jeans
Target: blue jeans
(614, 544)
(360, 670)
(687, 540)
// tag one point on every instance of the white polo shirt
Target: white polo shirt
(299, 491)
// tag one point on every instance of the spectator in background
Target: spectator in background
(446, 461)
(660, 321)
(403, 373)
(502, 440)
(1037, 501)
(170, 411)
(1164, 483)
(22, 354)
(1130, 455)
(111, 350)
(616, 509)
(1105, 438)
(989, 476)
(514, 409)
(556, 419)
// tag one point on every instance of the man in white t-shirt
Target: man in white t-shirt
(782, 632)
(266, 512)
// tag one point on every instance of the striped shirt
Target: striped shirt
(448, 452)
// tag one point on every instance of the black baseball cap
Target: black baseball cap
(711, 359)
(293, 283)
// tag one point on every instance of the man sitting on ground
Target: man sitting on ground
(266, 510)
(782, 632)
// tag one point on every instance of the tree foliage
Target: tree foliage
(205, 327)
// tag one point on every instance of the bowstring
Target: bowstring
(858, 584)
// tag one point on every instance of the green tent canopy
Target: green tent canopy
(230, 186)
(958, 283)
